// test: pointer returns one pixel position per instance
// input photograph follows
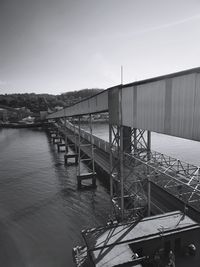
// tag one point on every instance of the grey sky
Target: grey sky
(56, 46)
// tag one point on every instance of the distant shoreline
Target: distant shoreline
(93, 121)
(18, 125)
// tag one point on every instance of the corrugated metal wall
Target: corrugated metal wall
(97, 103)
(170, 106)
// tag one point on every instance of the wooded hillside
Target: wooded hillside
(39, 102)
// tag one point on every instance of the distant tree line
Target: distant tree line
(41, 102)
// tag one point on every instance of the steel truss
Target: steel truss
(177, 177)
(116, 168)
(141, 166)
(127, 191)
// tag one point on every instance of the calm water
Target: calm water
(41, 211)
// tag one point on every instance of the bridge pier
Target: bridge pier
(56, 140)
(81, 176)
(71, 156)
(52, 133)
(68, 154)
(59, 145)
(86, 176)
(55, 136)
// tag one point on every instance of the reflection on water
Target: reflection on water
(41, 211)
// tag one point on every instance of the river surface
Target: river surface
(41, 211)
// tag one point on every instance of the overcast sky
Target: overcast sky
(55, 46)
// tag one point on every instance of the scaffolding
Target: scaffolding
(180, 179)
(127, 192)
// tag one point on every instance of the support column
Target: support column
(127, 146)
(69, 144)
(79, 146)
(148, 144)
(92, 153)
(91, 175)
(122, 171)
(148, 196)
(66, 144)
(111, 162)
(75, 140)
(135, 146)
(117, 169)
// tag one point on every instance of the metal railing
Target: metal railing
(98, 142)
(177, 177)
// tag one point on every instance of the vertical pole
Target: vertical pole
(135, 140)
(111, 167)
(198, 175)
(75, 137)
(121, 74)
(121, 152)
(92, 147)
(148, 196)
(66, 141)
(79, 145)
(148, 177)
(148, 144)
(121, 171)
(65, 122)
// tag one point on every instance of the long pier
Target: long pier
(138, 176)
(165, 196)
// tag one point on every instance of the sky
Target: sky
(56, 46)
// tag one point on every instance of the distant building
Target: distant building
(57, 108)
(23, 112)
(28, 119)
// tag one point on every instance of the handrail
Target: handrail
(177, 177)
(98, 142)
(175, 173)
